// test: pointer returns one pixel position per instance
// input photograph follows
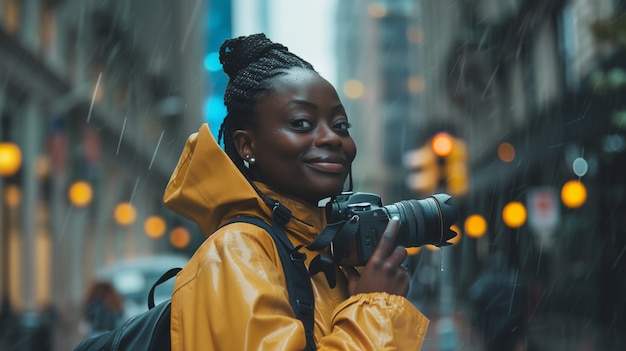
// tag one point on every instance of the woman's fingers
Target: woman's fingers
(387, 241)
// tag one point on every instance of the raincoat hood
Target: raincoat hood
(207, 188)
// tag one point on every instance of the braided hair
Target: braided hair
(249, 61)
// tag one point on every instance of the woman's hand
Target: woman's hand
(383, 271)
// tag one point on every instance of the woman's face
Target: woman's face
(301, 142)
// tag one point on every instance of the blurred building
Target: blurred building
(533, 90)
(100, 97)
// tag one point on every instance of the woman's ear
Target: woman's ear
(243, 142)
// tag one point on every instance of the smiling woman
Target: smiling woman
(286, 145)
(303, 146)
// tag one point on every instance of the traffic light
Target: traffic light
(456, 170)
(424, 170)
(439, 165)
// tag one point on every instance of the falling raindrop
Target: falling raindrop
(121, 134)
(441, 257)
(93, 97)
(156, 149)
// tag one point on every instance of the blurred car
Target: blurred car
(133, 279)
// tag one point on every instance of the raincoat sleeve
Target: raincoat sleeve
(232, 296)
(376, 321)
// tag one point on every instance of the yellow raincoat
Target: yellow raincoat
(232, 293)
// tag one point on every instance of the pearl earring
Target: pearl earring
(250, 160)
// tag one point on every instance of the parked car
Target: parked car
(133, 279)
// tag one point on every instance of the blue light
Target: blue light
(212, 62)
(214, 112)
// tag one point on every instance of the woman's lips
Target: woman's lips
(327, 167)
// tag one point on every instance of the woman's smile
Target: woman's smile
(335, 165)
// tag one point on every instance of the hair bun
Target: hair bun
(238, 53)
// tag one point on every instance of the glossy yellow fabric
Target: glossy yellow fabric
(232, 296)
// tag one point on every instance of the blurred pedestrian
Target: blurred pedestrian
(103, 309)
(501, 303)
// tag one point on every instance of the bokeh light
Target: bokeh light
(353, 89)
(10, 158)
(442, 144)
(377, 10)
(416, 84)
(573, 194)
(154, 227)
(415, 35)
(125, 214)
(80, 193)
(12, 195)
(514, 214)
(580, 166)
(506, 152)
(180, 237)
(475, 226)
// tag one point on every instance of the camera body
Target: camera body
(425, 221)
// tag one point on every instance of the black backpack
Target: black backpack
(150, 331)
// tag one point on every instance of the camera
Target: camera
(364, 219)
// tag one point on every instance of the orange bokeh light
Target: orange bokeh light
(442, 144)
(180, 237)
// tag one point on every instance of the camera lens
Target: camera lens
(425, 221)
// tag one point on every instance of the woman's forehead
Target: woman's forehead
(300, 81)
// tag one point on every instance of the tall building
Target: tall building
(98, 97)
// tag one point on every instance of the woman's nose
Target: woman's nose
(327, 136)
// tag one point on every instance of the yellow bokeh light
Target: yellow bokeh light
(125, 214)
(475, 226)
(80, 194)
(353, 89)
(10, 158)
(506, 152)
(514, 214)
(179, 237)
(155, 227)
(442, 144)
(573, 194)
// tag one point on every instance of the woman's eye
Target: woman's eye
(301, 123)
(343, 126)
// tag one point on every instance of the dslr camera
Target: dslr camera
(425, 221)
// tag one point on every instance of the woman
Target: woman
(285, 139)
(104, 309)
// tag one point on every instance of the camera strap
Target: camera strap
(339, 235)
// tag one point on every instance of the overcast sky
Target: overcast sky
(306, 27)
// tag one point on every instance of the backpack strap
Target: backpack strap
(165, 277)
(296, 275)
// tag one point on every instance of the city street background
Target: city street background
(516, 108)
